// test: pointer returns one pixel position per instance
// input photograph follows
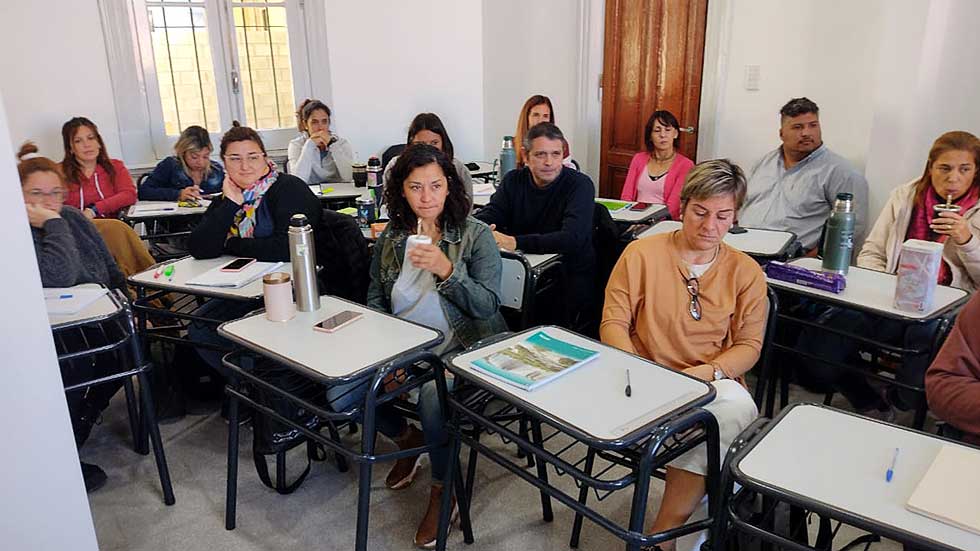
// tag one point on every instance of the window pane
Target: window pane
(263, 58)
(185, 72)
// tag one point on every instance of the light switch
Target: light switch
(752, 78)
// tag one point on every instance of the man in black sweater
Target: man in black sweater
(546, 207)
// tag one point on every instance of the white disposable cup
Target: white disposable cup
(277, 289)
(414, 240)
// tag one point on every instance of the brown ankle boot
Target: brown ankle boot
(425, 536)
(402, 473)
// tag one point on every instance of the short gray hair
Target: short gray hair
(542, 130)
(711, 178)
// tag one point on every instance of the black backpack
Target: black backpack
(271, 437)
(342, 254)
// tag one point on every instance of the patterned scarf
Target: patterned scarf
(244, 224)
(923, 214)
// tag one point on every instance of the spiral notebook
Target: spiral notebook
(949, 489)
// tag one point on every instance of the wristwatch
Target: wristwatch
(719, 374)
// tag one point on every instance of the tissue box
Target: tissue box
(918, 273)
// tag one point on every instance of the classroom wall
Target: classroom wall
(44, 503)
(52, 67)
(392, 60)
(889, 77)
(531, 48)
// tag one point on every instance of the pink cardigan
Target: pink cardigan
(672, 184)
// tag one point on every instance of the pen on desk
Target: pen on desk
(629, 390)
(891, 470)
(157, 272)
(59, 297)
(169, 272)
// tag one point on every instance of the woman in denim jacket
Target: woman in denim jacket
(452, 285)
(188, 173)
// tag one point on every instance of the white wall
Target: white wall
(53, 67)
(889, 76)
(821, 49)
(43, 500)
(531, 48)
(390, 61)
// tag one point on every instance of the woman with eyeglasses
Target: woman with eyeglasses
(250, 219)
(69, 252)
(688, 301)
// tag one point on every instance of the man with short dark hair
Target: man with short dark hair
(546, 207)
(793, 188)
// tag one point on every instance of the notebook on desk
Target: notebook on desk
(233, 280)
(67, 301)
(949, 489)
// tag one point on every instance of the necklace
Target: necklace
(668, 159)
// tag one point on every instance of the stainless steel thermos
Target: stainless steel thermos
(302, 254)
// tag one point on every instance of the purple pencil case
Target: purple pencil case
(825, 281)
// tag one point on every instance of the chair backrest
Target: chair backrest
(514, 281)
(390, 153)
(342, 252)
(606, 238)
(763, 369)
(141, 179)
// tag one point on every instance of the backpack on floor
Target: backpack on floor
(271, 437)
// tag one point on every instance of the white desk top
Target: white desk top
(374, 339)
(131, 213)
(188, 268)
(840, 460)
(481, 200)
(635, 217)
(592, 398)
(754, 241)
(104, 307)
(538, 260)
(871, 291)
(341, 190)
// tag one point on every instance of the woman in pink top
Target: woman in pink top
(98, 186)
(657, 174)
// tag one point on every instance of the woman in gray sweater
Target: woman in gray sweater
(69, 252)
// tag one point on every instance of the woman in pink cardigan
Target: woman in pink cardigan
(657, 174)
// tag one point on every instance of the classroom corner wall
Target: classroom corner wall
(43, 500)
(55, 67)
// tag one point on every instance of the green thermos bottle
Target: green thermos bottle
(838, 242)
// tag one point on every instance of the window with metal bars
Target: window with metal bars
(209, 62)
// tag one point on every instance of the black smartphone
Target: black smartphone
(736, 229)
(640, 206)
(473, 166)
(237, 265)
(337, 321)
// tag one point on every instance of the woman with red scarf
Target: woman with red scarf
(951, 174)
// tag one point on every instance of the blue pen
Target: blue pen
(62, 297)
(891, 470)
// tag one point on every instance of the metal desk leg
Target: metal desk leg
(583, 495)
(136, 421)
(231, 492)
(154, 435)
(445, 503)
(546, 512)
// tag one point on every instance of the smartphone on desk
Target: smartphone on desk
(736, 229)
(237, 265)
(637, 207)
(335, 322)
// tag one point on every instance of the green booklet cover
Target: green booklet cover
(534, 361)
(614, 205)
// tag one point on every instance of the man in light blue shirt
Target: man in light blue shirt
(793, 188)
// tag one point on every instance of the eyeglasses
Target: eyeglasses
(58, 194)
(253, 159)
(695, 306)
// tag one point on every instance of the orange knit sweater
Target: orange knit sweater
(646, 311)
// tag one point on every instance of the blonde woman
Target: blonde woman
(188, 173)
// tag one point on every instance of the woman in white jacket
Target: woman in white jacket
(951, 173)
(317, 155)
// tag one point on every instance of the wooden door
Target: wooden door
(653, 54)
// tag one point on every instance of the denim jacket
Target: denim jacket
(169, 177)
(470, 297)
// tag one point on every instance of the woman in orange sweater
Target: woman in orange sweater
(688, 301)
